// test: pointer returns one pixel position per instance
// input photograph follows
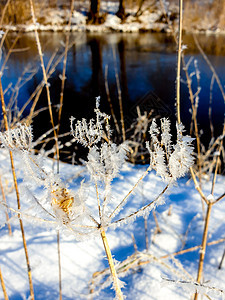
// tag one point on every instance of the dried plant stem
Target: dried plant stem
(157, 230)
(18, 196)
(111, 265)
(9, 53)
(143, 208)
(109, 100)
(134, 260)
(203, 246)
(98, 201)
(170, 210)
(216, 77)
(216, 171)
(36, 93)
(211, 67)
(44, 77)
(3, 286)
(179, 60)
(6, 212)
(57, 133)
(64, 66)
(181, 55)
(222, 259)
(120, 97)
(3, 12)
(134, 243)
(217, 161)
(64, 72)
(52, 122)
(130, 192)
(198, 188)
(194, 116)
(219, 198)
(193, 248)
(210, 106)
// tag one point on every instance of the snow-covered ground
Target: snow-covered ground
(151, 19)
(180, 221)
(55, 21)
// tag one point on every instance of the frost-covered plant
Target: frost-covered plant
(106, 158)
(104, 162)
(64, 206)
(170, 161)
(90, 133)
(17, 139)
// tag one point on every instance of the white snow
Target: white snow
(52, 19)
(162, 278)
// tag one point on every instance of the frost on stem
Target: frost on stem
(90, 133)
(182, 157)
(170, 161)
(105, 162)
(106, 159)
(65, 207)
(18, 138)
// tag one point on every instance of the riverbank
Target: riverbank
(149, 19)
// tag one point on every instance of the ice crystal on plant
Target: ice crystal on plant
(166, 135)
(104, 163)
(170, 161)
(89, 133)
(182, 157)
(154, 131)
(18, 138)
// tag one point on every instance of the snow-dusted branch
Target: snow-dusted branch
(143, 210)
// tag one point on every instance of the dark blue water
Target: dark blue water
(146, 66)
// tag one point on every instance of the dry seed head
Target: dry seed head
(62, 202)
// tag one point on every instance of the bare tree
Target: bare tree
(151, 5)
(94, 16)
(121, 12)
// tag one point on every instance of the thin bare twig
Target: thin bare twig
(64, 71)
(198, 188)
(3, 12)
(119, 206)
(222, 259)
(109, 100)
(44, 75)
(179, 59)
(6, 212)
(3, 286)
(203, 246)
(142, 209)
(134, 243)
(120, 97)
(17, 196)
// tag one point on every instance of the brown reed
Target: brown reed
(17, 196)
